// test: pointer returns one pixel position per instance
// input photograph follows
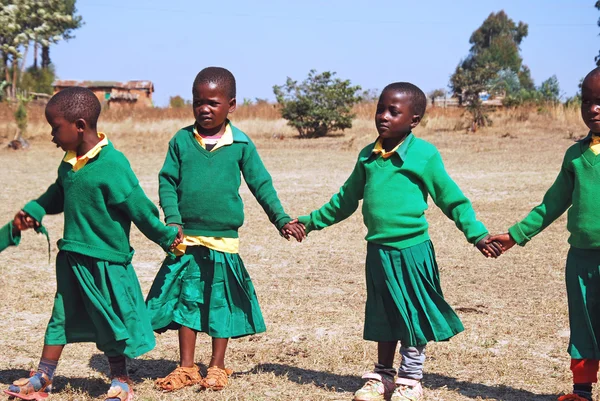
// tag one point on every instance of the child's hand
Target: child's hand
(179, 238)
(505, 240)
(489, 248)
(294, 229)
(23, 221)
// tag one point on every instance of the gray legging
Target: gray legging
(411, 366)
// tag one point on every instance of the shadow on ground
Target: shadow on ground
(140, 369)
(92, 386)
(344, 383)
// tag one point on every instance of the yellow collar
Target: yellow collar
(226, 139)
(378, 148)
(77, 163)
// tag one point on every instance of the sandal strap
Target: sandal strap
(118, 391)
(180, 377)
(216, 377)
(26, 387)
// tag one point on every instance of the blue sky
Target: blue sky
(263, 42)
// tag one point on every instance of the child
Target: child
(207, 288)
(394, 175)
(10, 235)
(577, 188)
(98, 297)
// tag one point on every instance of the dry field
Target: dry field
(312, 294)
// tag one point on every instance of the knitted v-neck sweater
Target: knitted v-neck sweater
(199, 189)
(577, 188)
(394, 192)
(100, 201)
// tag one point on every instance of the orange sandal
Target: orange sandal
(216, 378)
(179, 378)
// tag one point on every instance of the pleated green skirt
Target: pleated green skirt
(404, 297)
(208, 291)
(101, 302)
(582, 276)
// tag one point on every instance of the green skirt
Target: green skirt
(404, 298)
(101, 302)
(208, 291)
(583, 293)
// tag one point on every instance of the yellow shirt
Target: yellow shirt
(595, 144)
(78, 163)
(229, 245)
(378, 148)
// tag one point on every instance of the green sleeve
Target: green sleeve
(7, 237)
(144, 214)
(556, 201)
(168, 181)
(449, 198)
(341, 205)
(51, 202)
(261, 185)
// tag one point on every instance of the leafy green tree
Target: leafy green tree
(435, 94)
(177, 102)
(38, 80)
(24, 21)
(319, 105)
(550, 90)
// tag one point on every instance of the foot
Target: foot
(179, 378)
(36, 387)
(407, 390)
(216, 378)
(377, 388)
(120, 390)
(573, 397)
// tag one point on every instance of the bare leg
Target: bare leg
(386, 350)
(219, 346)
(187, 347)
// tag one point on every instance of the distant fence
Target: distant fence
(453, 102)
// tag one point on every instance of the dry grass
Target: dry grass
(312, 294)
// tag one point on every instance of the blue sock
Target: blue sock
(47, 366)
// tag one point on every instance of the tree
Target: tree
(318, 105)
(177, 102)
(494, 48)
(550, 90)
(38, 80)
(24, 21)
(435, 94)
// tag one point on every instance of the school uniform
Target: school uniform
(404, 298)
(7, 238)
(576, 189)
(98, 297)
(207, 288)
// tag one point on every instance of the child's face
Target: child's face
(211, 106)
(590, 103)
(66, 135)
(394, 116)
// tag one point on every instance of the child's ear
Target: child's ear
(232, 105)
(415, 121)
(81, 125)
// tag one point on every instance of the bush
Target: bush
(319, 105)
(177, 102)
(38, 80)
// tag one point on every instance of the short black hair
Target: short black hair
(592, 73)
(76, 102)
(218, 75)
(418, 99)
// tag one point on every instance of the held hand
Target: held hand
(490, 249)
(23, 221)
(505, 240)
(179, 238)
(294, 229)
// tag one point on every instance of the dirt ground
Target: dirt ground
(312, 294)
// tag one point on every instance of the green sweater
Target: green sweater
(100, 201)
(200, 189)
(394, 193)
(576, 188)
(7, 238)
